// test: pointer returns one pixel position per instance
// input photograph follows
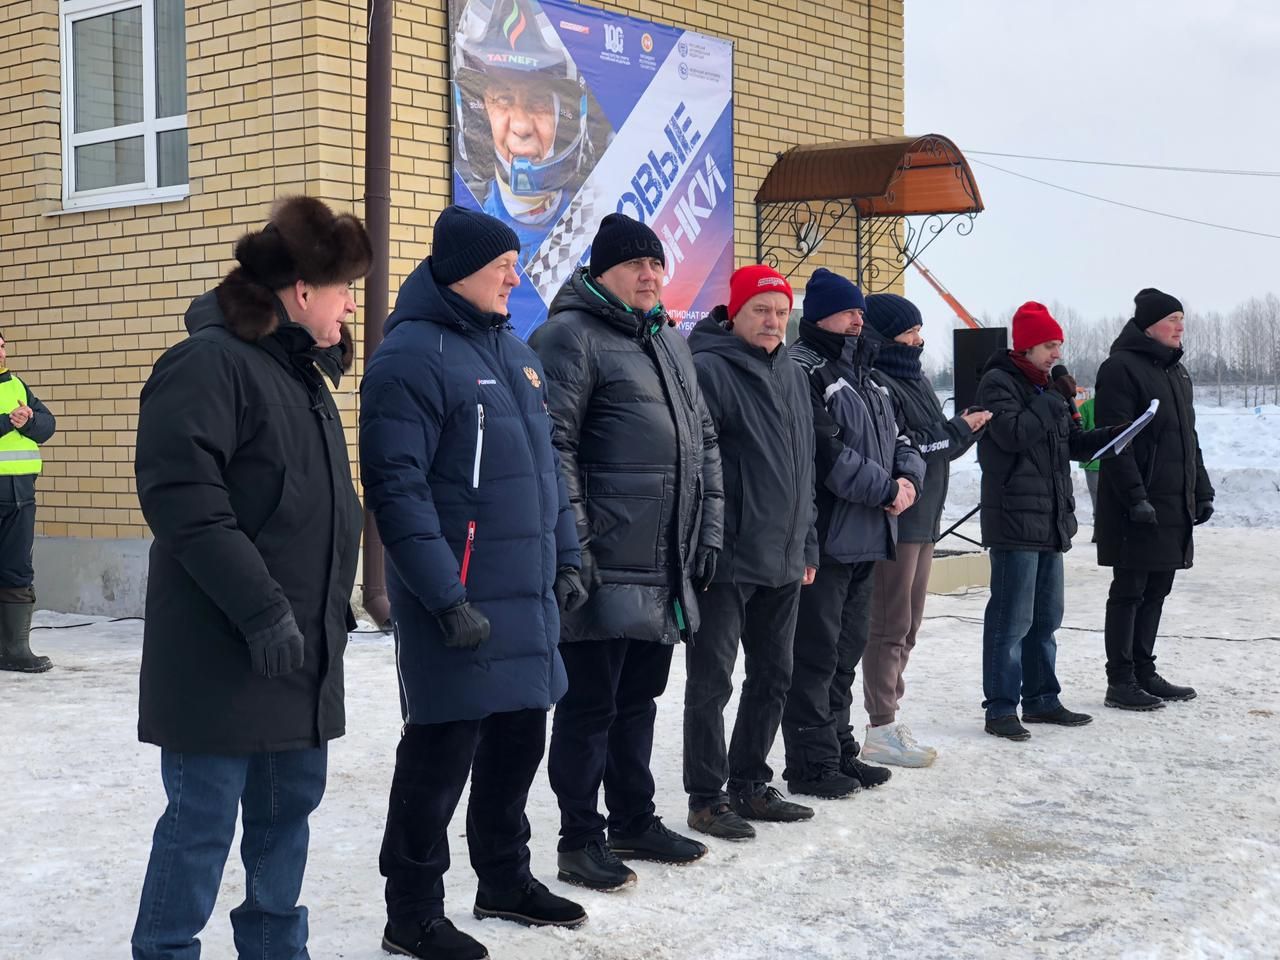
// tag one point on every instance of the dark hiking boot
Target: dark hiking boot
(1008, 728)
(657, 844)
(721, 822)
(866, 774)
(829, 785)
(1130, 696)
(768, 805)
(1158, 686)
(1059, 716)
(532, 905)
(15, 640)
(434, 939)
(595, 867)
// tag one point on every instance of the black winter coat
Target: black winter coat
(1166, 468)
(1025, 453)
(939, 440)
(760, 404)
(860, 451)
(243, 477)
(20, 488)
(640, 460)
(460, 473)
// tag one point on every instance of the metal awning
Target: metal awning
(878, 183)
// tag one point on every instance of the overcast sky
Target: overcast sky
(1175, 82)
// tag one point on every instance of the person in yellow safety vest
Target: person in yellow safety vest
(25, 423)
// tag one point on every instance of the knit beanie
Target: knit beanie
(1033, 325)
(828, 293)
(465, 240)
(757, 278)
(620, 239)
(891, 314)
(1152, 305)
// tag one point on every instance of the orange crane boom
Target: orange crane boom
(965, 316)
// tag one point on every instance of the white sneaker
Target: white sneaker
(893, 744)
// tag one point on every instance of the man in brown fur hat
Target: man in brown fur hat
(243, 478)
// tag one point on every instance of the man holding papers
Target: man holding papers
(1147, 503)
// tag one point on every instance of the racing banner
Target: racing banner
(563, 114)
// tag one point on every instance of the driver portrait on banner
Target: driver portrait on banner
(528, 131)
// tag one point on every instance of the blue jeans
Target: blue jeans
(278, 792)
(1019, 651)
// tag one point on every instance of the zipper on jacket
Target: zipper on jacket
(466, 553)
(475, 469)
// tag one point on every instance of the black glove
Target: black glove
(569, 590)
(589, 572)
(1065, 385)
(1204, 510)
(277, 649)
(704, 567)
(464, 627)
(1142, 512)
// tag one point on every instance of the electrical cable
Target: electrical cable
(1129, 206)
(1171, 636)
(1220, 171)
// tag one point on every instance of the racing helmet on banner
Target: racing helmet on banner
(505, 54)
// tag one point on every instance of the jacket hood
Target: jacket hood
(420, 299)
(1133, 339)
(1001, 360)
(251, 312)
(580, 293)
(712, 335)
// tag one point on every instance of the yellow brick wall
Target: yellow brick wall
(275, 105)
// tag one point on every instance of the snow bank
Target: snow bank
(1143, 835)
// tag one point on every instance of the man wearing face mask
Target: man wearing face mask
(1148, 504)
(244, 481)
(902, 582)
(867, 474)
(759, 399)
(642, 466)
(1028, 519)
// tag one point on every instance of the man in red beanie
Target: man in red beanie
(759, 399)
(1028, 519)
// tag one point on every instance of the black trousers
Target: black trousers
(603, 733)
(831, 632)
(17, 534)
(765, 620)
(1134, 606)
(502, 753)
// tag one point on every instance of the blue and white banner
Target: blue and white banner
(563, 114)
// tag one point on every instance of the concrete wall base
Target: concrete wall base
(80, 575)
(955, 572)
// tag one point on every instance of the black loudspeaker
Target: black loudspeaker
(973, 348)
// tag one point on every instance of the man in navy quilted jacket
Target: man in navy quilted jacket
(460, 472)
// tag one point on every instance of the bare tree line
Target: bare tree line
(1233, 357)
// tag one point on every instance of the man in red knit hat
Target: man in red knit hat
(1028, 519)
(759, 399)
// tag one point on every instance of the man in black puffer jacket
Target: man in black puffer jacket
(640, 460)
(1028, 520)
(867, 474)
(759, 399)
(1147, 503)
(244, 480)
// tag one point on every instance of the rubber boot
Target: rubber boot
(15, 640)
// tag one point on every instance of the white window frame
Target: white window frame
(132, 194)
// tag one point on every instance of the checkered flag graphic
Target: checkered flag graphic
(555, 259)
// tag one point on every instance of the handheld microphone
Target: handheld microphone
(1058, 371)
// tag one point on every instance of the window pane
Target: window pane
(107, 70)
(171, 147)
(171, 59)
(115, 163)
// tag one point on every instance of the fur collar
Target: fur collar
(251, 313)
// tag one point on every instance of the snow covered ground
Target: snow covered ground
(1140, 836)
(1241, 447)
